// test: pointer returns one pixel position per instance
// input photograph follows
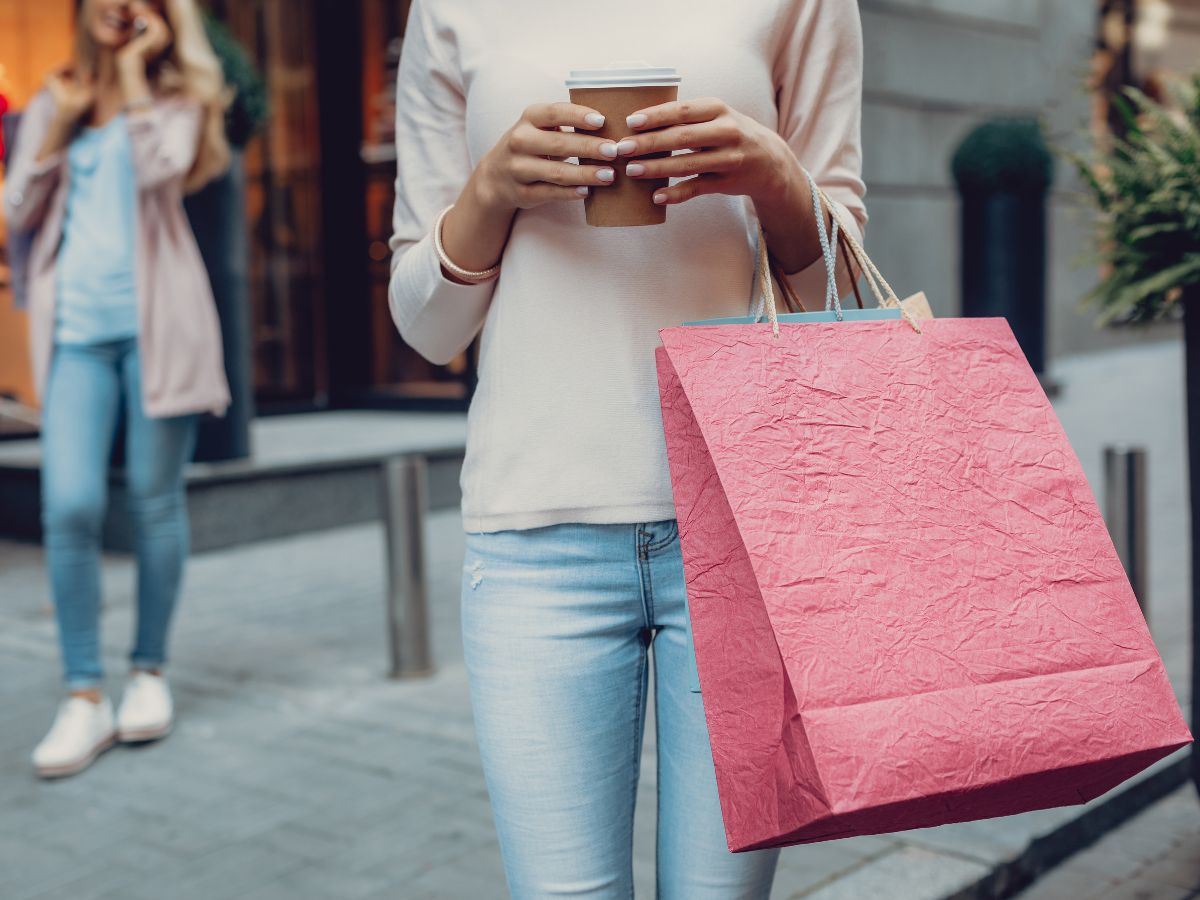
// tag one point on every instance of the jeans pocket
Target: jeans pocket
(669, 536)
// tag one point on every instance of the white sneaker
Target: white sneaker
(82, 730)
(146, 712)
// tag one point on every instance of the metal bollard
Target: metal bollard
(404, 501)
(1125, 512)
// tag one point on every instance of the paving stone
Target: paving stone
(1155, 854)
(1181, 873)
(1106, 865)
(1140, 889)
(1187, 849)
(807, 867)
(230, 871)
(1144, 841)
(988, 839)
(321, 882)
(462, 877)
(913, 873)
(1064, 883)
(89, 886)
(28, 867)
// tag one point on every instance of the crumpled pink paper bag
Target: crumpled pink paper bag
(906, 608)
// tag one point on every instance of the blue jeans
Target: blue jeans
(557, 625)
(88, 387)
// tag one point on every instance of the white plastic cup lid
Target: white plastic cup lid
(624, 74)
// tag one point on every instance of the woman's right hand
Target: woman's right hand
(527, 167)
(73, 97)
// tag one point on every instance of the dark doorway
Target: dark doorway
(320, 187)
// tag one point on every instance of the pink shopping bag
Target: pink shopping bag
(906, 608)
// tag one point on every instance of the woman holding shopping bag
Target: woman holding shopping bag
(573, 568)
(123, 329)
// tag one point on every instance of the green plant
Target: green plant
(248, 110)
(1146, 189)
(1004, 155)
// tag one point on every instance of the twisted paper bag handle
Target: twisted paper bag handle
(874, 278)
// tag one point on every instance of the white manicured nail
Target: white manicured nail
(594, 119)
(637, 120)
(609, 150)
(635, 169)
(606, 174)
(660, 198)
(626, 146)
(582, 190)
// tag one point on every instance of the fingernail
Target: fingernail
(594, 119)
(626, 146)
(637, 120)
(582, 190)
(609, 150)
(660, 198)
(635, 169)
(606, 174)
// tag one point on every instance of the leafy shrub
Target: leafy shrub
(1004, 155)
(1146, 190)
(248, 110)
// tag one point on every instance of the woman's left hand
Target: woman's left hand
(731, 152)
(151, 42)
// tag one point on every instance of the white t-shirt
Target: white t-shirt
(565, 425)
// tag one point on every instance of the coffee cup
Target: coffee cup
(616, 91)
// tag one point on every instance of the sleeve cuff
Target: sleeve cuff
(48, 165)
(436, 316)
(28, 193)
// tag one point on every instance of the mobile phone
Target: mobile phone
(139, 26)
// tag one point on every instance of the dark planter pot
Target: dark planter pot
(218, 217)
(1004, 264)
(1191, 342)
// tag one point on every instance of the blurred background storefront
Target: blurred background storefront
(319, 198)
(318, 201)
(319, 178)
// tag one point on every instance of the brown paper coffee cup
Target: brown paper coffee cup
(627, 201)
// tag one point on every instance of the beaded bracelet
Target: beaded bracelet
(452, 267)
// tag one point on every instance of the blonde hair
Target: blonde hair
(189, 67)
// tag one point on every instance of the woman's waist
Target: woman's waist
(554, 245)
(580, 293)
(542, 453)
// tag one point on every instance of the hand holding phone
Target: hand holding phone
(151, 36)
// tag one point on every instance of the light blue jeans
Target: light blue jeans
(557, 625)
(88, 387)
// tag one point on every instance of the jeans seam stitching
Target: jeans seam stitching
(647, 593)
(644, 581)
(638, 727)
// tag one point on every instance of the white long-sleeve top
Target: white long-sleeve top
(565, 425)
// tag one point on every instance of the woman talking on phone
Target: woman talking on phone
(573, 568)
(123, 332)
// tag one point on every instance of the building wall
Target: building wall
(935, 68)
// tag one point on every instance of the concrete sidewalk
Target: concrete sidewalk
(299, 771)
(1153, 856)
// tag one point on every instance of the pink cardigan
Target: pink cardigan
(179, 334)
